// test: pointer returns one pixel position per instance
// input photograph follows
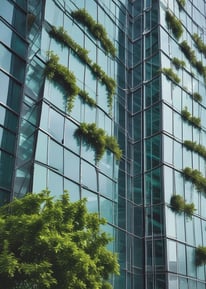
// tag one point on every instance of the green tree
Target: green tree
(56, 244)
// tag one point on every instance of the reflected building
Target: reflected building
(59, 71)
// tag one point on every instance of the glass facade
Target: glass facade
(58, 72)
(13, 55)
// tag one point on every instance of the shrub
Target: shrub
(174, 24)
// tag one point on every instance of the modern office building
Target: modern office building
(82, 79)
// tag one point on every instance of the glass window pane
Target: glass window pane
(181, 259)
(106, 209)
(71, 166)
(12, 40)
(40, 178)
(55, 184)
(153, 120)
(106, 186)
(92, 204)
(56, 125)
(42, 148)
(12, 63)
(8, 119)
(191, 266)
(55, 156)
(88, 175)
(7, 163)
(153, 152)
(7, 140)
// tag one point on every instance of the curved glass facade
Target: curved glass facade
(149, 97)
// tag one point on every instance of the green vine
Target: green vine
(179, 206)
(62, 76)
(196, 178)
(61, 35)
(96, 29)
(193, 146)
(171, 75)
(191, 119)
(178, 63)
(97, 139)
(174, 24)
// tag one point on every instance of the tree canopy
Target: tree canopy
(56, 244)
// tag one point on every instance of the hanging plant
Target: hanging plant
(198, 148)
(196, 178)
(188, 52)
(112, 145)
(181, 3)
(62, 36)
(107, 81)
(96, 29)
(63, 77)
(197, 97)
(174, 24)
(178, 63)
(200, 68)
(196, 121)
(190, 55)
(85, 96)
(199, 44)
(97, 139)
(200, 255)
(171, 75)
(179, 206)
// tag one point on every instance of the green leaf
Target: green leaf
(57, 244)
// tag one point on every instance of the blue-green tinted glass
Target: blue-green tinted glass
(6, 174)
(12, 40)
(12, 63)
